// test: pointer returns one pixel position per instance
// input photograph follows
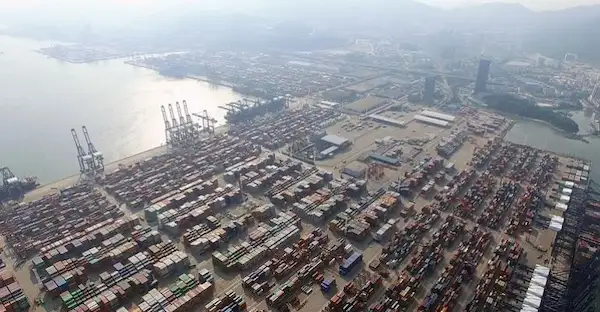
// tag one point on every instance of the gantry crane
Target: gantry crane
(180, 130)
(8, 177)
(97, 157)
(168, 129)
(176, 138)
(182, 124)
(85, 160)
(208, 123)
(193, 127)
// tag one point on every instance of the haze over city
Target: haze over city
(299, 155)
(532, 4)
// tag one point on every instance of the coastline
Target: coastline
(69, 181)
(72, 61)
(563, 133)
(566, 155)
(195, 77)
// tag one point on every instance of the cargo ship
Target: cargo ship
(13, 188)
(246, 109)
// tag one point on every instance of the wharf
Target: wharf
(190, 197)
(56, 186)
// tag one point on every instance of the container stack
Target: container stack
(65, 281)
(135, 264)
(258, 280)
(170, 264)
(12, 297)
(281, 231)
(194, 212)
(146, 236)
(55, 217)
(211, 240)
(75, 244)
(92, 297)
(158, 300)
(264, 212)
(230, 302)
(279, 295)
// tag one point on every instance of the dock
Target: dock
(400, 213)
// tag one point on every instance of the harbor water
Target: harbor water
(41, 99)
(541, 136)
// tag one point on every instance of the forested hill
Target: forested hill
(511, 104)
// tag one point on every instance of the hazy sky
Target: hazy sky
(118, 11)
(532, 4)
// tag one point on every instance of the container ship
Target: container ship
(13, 188)
(246, 109)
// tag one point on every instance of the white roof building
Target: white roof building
(561, 207)
(431, 121)
(440, 116)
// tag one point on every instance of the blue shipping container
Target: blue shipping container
(350, 263)
(326, 285)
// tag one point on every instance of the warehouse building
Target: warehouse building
(387, 120)
(355, 169)
(334, 140)
(436, 115)
(328, 152)
(385, 159)
(431, 121)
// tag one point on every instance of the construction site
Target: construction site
(311, 209)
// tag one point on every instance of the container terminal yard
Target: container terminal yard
(311, 209)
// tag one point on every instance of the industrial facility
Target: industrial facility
(13, 188)
(311, 209)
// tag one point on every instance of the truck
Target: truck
(349, 263)
(327, 285)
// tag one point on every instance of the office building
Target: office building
(570, 57)
(429, 90)
(482, 75)
(595, 96)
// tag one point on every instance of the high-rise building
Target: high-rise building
(429, 90)
(595, 96)
(482, 75)
(570, 57)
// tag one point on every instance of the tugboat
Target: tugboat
(13, 188)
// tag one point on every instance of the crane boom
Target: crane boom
(173, 119)
(97, 159)
(181, 118)
(81, 155)
(188, 117)
(91, 148)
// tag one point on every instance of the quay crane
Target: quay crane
(176, 137)
(91, 163)
(208, 123)
(97, 157)
(180, 129)
(86, 162)
(182, 124)
(168, 128)
(192, 126)
(13, 188)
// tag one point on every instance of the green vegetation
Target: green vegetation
(525, 108)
